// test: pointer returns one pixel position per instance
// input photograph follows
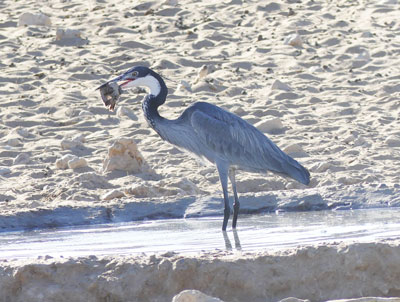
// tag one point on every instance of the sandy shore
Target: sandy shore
(353, 270)
(320, 78)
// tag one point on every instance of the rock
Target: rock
(124, 155)
(67, 34)
(270, 126)
(294, 40)
(112, 195)
(27, 19)
(62, 163)
(192, 295)
(21, 159)
(278, 85)
(68, 144)
(77, 162)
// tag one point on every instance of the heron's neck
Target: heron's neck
(157, 97)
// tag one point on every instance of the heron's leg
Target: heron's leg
(223, 176)
(236, 204)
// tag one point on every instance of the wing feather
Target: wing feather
(236, 141)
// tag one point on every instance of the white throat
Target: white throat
(149, 81)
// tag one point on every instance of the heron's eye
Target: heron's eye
(135, 74)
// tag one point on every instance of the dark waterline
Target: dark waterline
(255, 233)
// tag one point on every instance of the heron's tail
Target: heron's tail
(297, 171)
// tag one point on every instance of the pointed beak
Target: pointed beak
(115, 80)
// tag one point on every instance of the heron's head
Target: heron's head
(138, 76)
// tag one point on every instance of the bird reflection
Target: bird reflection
(236, 239)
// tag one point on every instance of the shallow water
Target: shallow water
(255, 232)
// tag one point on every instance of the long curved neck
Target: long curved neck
(157, 97)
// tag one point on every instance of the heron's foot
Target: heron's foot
(236, 208)
(227, 213)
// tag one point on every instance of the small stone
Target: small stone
(112, 195)
(278, 85)
(294, 40)
(67, 144)
(62, 163)
(77, 162)
(67, 34)
(27, 19)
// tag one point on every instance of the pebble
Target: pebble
(75, 142)
(278, 85)
(62, 163)
(112, 195)
(77, 162)
(27, 19)
(67, 34)
(270, 126)
(294, 40)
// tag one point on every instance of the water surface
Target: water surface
(255, 232)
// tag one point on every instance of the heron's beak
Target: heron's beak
(115, 80)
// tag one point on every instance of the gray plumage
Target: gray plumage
(215, 134)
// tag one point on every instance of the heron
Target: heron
(212, 133)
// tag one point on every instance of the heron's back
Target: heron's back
(231, 138)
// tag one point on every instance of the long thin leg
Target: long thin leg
(223, 176)
(236, 204)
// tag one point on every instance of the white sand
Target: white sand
(320, 77)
